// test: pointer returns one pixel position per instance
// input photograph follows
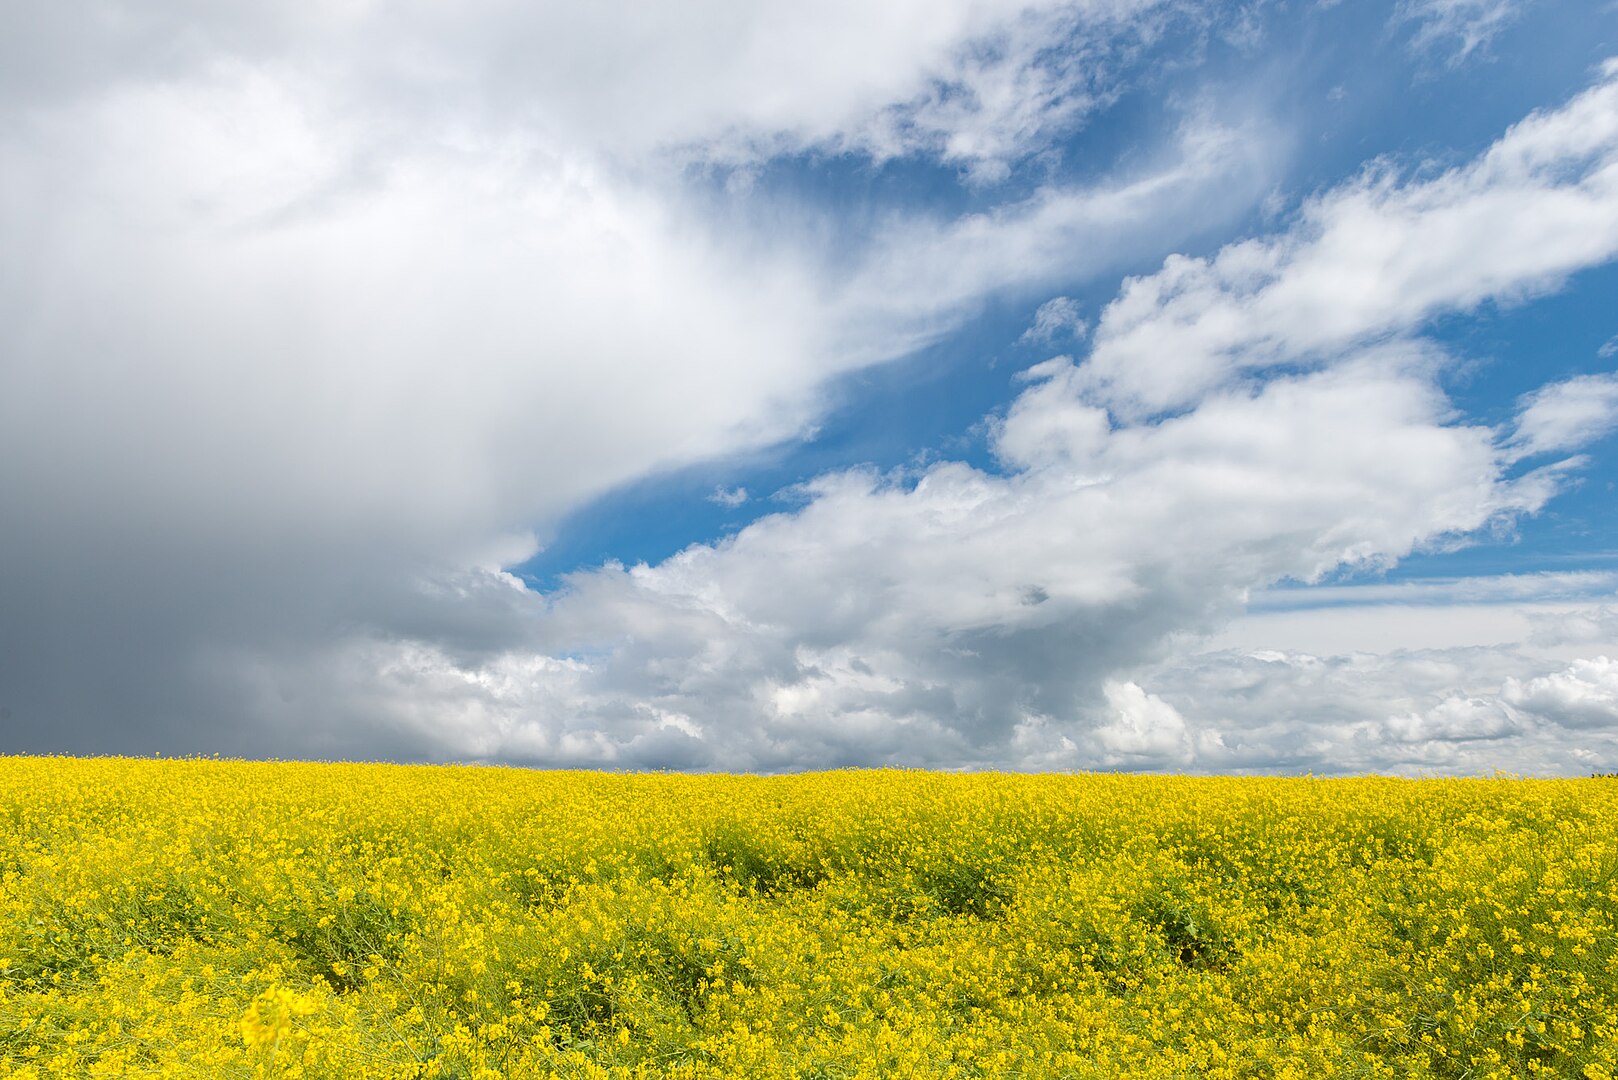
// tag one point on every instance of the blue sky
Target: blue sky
(1352, 80)
(1144, 384)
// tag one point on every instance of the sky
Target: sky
(1177, 386)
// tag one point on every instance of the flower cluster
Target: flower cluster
(269, 1018)
(232, 919)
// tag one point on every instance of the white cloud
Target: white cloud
(1585, 695)
(1141, 728)
(978, 82)
(277, 295)
(1007, 92)
(282, 267)
(1057, 317)
(954, 616)
(1458, 711)
(449, 342)
(729, 498)
(1581, 626)
(922, 276)
(1567, 415)
(312, 311)
(1372, 259)
(1456, 719)
(1458, 27)
(957, 617)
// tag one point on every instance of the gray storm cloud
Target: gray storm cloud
(310, 318)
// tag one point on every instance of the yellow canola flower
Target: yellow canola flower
(414, 922)
(269, 1018)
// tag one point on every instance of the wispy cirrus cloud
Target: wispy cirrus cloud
(1458, 28)
(1056, 318)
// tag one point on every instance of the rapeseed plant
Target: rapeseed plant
(233, 919)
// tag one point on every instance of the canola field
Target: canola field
(227, 919)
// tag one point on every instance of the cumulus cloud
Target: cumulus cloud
(1474, 710)
(1372, 259)
(1141, 727)
(1585, 695)
(961, 616)
(1456, 719)
(958, 616)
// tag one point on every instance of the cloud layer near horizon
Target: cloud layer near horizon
(959, 617)
(301, 353)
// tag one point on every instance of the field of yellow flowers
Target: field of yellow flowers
(229, 919)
